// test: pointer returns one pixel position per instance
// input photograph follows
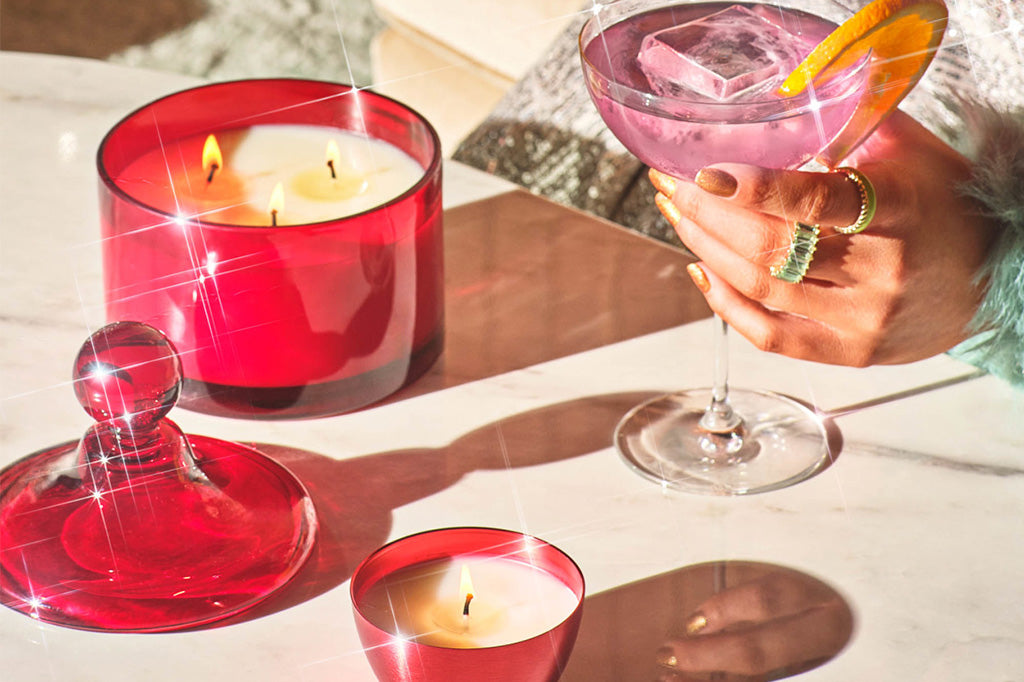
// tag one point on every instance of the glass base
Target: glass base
(779, 443)
(161, 552)
(312, 400)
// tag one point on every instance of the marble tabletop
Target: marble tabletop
(918, 524)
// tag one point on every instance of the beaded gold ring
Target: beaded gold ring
(868, 202)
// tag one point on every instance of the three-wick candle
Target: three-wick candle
(323, 174)
(298, 269)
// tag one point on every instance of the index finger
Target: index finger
(830, 198)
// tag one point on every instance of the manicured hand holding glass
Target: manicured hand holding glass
(903, 289)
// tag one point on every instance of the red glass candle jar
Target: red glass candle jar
(468, 604)
(289, 318)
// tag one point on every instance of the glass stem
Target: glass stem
(719, 416)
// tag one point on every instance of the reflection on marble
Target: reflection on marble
(728, 621)
(917, 524)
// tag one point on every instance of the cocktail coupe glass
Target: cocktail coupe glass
(717, 440)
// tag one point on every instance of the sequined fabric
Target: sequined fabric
(546, 135)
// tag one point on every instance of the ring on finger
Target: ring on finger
(798, 258)
(868, 202)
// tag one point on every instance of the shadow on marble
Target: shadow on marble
(900, 395)
(354, 498)
(761, 622)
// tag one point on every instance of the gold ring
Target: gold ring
(868, 203)
(798, 258)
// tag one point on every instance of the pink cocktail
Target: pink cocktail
(680, 131)
(685, 85)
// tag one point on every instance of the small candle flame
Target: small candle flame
(212, 158)
(333, 156)
(276, 203)
(466, 589)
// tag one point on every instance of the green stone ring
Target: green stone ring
(868, 203)
(801, 251)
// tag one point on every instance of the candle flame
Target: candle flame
(212, 158)
(466, 589)
(276, 205)
(333, 157)
(465, 583)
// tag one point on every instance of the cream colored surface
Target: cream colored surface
(917, 523)
(502, 37)
(414, 72)
(454, 59)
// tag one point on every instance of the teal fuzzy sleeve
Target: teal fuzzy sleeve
(996, 142)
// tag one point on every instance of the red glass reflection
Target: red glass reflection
(289, 322)
(138, 527)
(395, 658)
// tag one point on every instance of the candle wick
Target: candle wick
(334, 175)
(465, 608)
(273, 223)
(213, 169)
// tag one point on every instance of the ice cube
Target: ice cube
(719, 56)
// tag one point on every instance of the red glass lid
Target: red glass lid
(138, 527)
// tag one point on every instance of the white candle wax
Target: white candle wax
(367, 173)
(512, 601)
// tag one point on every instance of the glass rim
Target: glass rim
(342, 89)
(360, 582)
(662, 104)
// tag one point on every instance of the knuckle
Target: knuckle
(777, 244)
(819, 202)
(691, 235)
(688, 202)
(768, 339)
(870, 345)
(761, 190)
(769, 246)
(757, 285)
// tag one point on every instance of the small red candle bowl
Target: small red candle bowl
(468, 605)
(285, 234)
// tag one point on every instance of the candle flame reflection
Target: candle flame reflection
(333, 157)
(465, 582)
(276, 205)
(212, 158)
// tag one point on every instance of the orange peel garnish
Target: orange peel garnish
(902, 36)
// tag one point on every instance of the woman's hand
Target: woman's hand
(902, 290)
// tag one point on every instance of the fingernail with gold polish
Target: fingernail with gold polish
(717, 182)
(699, 278)
(666, 657)
(668, 209)
(665, 184)
(696, 623)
